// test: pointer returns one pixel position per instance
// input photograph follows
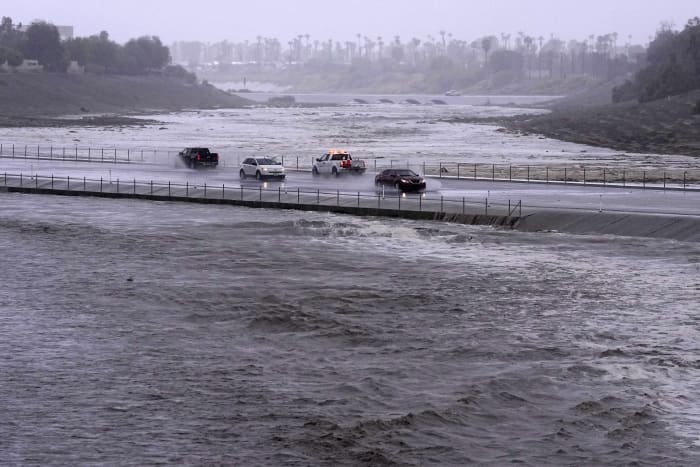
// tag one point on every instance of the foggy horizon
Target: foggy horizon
(215, 21)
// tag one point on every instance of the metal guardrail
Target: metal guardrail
(675, 178)
(282, 196)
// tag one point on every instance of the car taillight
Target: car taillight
(199, 157)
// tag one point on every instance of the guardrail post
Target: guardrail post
(486, 207)
(84, 185)
(584, 174)
(20, 180)
(168, 188)
(151, 187)
(462, 205)
(134, 186)
(474, 171)
(664, 181)
(457, 170)
(318, 196)
(624, 179)
(25, 151)
(36, 181)
(297, 162)
(603, 176)
(528, 174)
(20, 175)
(68, 183)
(399, 200)
(379, 201)
(358, 199)
(337, 198)
(510, 173)
(440, 169)
(50, 152)
(493, 172)
(223, 191)
(279, 194)
(128, 155)
(261, 193)
(241, 192)
(13, 151)
(103, 155)
(100, 184)
(298, 196)
(684, 174)
(187, 189)
(205, 189)
(115, 154)
(117, 186)
(565, 177)
(442, 199)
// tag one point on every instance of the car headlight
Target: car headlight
(264, 169)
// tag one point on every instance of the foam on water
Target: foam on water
(156, 332)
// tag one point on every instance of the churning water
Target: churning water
(139, 332)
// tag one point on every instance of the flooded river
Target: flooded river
(140, 332)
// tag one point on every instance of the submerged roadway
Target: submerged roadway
(534, 196)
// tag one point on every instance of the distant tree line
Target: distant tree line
(505, 58)
(673, 66)
(41, 41)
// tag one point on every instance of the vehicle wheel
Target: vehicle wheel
(242, 174)
(314, 172)
(258, 175)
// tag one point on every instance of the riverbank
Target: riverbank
(37, 99)
(665, 126)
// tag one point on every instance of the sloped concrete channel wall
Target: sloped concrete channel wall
(470, 212)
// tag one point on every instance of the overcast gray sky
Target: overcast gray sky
(215, 20)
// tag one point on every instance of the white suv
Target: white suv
(261, 168)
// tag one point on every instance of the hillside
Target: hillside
(49, 95)
(664, 126)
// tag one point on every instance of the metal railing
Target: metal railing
(279, 197)
(666, 177)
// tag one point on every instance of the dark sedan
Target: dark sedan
(401, 179)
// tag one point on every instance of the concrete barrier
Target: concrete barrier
(675, 227)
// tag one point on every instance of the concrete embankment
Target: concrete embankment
(674, 227)
(468, 217)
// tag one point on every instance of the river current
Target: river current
(138, 332)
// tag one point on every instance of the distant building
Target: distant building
(64, 32)
(75, 69)
(29, 66)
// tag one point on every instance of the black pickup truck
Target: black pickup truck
(199, 157)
